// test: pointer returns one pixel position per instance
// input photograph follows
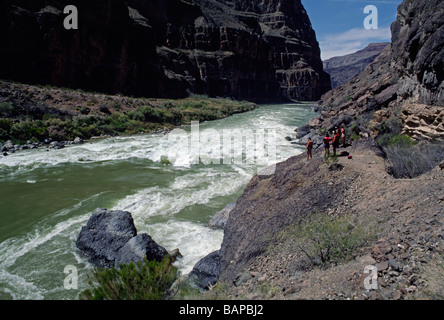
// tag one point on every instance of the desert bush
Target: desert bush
(352, 132)
(26, 130)
(326, 240)
(143, 280)
(6, 109)
(396, 140)
(5, 129)
(186, 289)
(391, 125)
(409, 159)
(90, 123)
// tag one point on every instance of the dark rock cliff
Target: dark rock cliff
(418, 51)
(255, 50)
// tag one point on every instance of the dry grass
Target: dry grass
(433, 274)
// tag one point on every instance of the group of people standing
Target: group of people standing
(336, 139)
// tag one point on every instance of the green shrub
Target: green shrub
(384, 139)
(325, 240)
(6, 109)
(391, 125)
(144, 280)
(136, 115)
(26, 130)
(5, 129)
(187, 290)
(397, 140)
(401, 140)
(143, 119)
(389, 132)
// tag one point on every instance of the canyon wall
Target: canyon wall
(253, 50)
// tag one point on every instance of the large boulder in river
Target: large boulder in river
(110, 237)
(139, 247)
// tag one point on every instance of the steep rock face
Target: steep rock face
(373, 89)
(206, 271)
(418, 51)
(342, 69)
(255, 50)
(296, 53)
(110, 52)
(262, 248)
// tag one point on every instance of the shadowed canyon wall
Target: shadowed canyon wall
(253, 50)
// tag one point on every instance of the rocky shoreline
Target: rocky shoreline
(409, 240)
(9, 147)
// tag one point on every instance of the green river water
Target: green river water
(46, 196)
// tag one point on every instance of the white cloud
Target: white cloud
(334, 45)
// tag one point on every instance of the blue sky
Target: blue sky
(339, 24)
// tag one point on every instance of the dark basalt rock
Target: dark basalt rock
(418, 51)
(110, 238)
(206, 271)
(104, 235)
(303, 131)
(139, 247)
(252, 50)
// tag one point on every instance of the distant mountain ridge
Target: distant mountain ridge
(344, 68)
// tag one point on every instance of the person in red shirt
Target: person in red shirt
(326, 141)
